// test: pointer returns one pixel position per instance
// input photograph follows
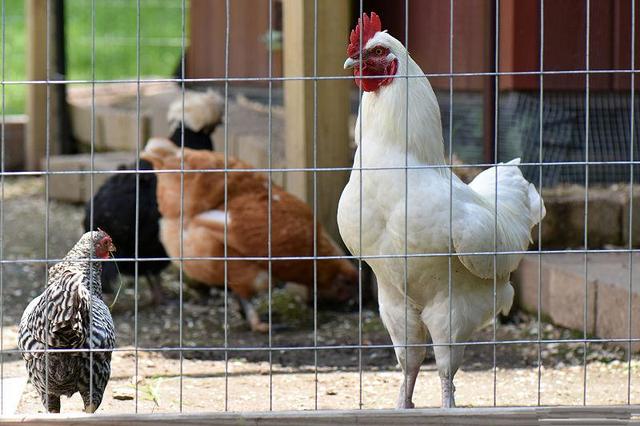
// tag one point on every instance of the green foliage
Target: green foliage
(15, 58)
(116, 42)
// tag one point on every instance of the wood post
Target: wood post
(37, 30)
(332, 135)
(40, 26)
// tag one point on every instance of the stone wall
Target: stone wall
(608, 221)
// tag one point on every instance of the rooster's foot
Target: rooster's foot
(448, 391)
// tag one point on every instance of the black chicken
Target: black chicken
(70, 314)
(114, 205)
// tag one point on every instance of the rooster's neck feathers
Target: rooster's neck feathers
(384, 112)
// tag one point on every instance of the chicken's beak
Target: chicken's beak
(350, 63)
(112, 248)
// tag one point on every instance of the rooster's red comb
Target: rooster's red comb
(370, 26)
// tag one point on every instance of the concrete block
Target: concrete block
(116, 119)
(635, 220)
(612, 272)
(567, 299)
(248, 138)
(115, 129)
(119, 130)
(527, 279)
(613, 313)
(563, 292)
(14, 137)
(76, 187)
(563, 227)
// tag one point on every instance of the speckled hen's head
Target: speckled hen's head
(98, 242)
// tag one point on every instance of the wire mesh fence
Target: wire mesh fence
(287, 318)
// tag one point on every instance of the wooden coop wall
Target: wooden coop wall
(248, 45)
(519, 32)
(429, 33)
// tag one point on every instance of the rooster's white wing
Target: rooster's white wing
(476, 229)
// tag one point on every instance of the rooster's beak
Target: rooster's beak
(112, 247)
(350, 63)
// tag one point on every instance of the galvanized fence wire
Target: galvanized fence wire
(631, 180)
(405, 263)
(227, 38)
(2, 165)
(315, 213)
(450, 206)
(229, 350)
(181, 251)
(496, 17)
(539, 292)
(137, 213)
(360, 205)
(586, 202)
(13, 82)
(46, 196)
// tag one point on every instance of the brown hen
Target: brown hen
(247, 224)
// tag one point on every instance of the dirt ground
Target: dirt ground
(153, 379)
(248, 386)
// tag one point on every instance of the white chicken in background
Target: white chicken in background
(443, 215)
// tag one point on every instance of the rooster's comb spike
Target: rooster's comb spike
(370, 26)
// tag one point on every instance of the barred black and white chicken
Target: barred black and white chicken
(70, 314)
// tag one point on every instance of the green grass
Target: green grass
(115, 42)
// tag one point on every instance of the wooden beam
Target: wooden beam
(37, 30)
(332, 109)
(574, 415)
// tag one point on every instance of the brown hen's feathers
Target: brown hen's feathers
(292, 224)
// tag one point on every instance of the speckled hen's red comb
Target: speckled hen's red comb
(369, 28)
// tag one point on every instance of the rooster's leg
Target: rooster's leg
(409, 382)
(448, 359)
(392, 311)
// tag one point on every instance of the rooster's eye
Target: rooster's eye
(379, 51)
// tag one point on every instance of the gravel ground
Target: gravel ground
(293, 384)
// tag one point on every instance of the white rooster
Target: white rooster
(450, 296)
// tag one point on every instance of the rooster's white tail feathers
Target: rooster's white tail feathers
(510, 183)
